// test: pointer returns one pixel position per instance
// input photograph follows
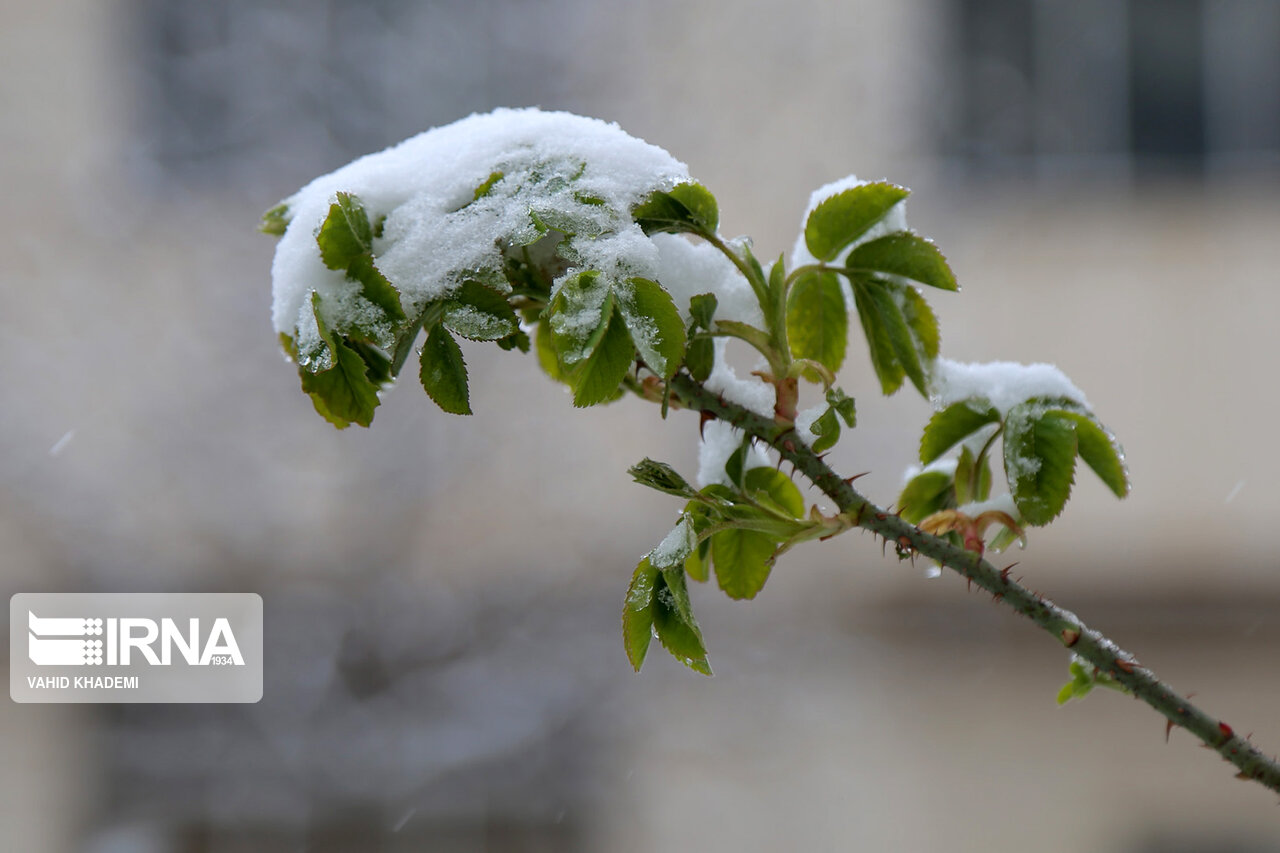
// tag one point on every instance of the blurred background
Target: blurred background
(444, 667)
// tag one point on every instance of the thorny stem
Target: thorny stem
(1065, 626)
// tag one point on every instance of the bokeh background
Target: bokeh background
(444, 670)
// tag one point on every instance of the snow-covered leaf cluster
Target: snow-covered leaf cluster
(562, 235)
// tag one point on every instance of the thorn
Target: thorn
(1004, 573)
(1168, 727)
(1070, 636)
(1226, 730)
(1125, 665)
(849, 480)
(702, 423)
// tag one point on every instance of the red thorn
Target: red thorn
(1226, 730)
(1168, 727)
(706, 416)
(1125, 665)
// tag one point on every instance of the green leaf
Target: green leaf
(654, 325)
(637, 613)
(1039, 461)
(444, 373)
(673, 619)
(777, 487)
(660, 476)
(920, 320)
(973, 478)
(1100, 451)
(884, 357)
(743, 560)
(485, 188)
(846, 216)
(480, 314)
(954, 424)
(518, 339)
(900, 336)
(686, 208)
(345, 233)
(698, 564)
(579, 315)
(817, 320)
(844, 406)
(827, 430)
(276, 220)
(1071, 690)
(546, 351)
(343, 393)
(700, 358)
(346, 243)
(376, 362)
(925, 494)
(901, 331)
(735, 467)
(906, 254)
(375, 287)
(702, 310)
(675, 546)
(597, 379)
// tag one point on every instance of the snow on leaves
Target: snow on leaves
(555, 233)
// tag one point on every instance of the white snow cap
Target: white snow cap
(1004, 383)
(894, 220)
(425, 187)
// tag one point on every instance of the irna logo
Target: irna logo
(124, 641)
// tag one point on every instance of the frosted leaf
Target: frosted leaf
(719, 441)
(675, 546)
(1004, 383)
(570, 171)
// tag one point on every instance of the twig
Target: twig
(1063, 625)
